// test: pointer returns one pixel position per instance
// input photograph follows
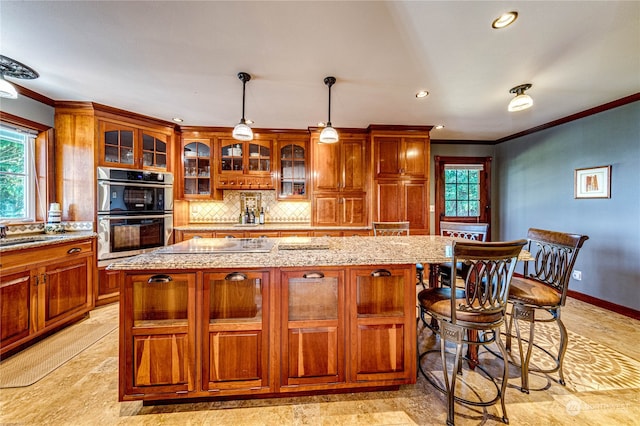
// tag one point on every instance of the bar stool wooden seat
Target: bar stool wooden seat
(473, 315)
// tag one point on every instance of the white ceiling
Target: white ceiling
(181, 59)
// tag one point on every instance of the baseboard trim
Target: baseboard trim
(623, 310)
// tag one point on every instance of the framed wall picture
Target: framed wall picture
(593, 182)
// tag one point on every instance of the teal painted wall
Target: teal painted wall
(535, 188)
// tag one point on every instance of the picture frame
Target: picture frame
(592, 182)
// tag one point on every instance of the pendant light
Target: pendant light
(242, 131)
(12, 68)
(329, 134)
(522, 100)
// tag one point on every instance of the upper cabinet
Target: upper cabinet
(244, 165)
(292, 167)
(340, 181)
(197, 179)
(401, 156)
(129, 146)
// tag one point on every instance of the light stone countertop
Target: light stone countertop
(342, 251)
(27, 241)
(280, 226)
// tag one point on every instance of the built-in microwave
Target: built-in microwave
(135, 211)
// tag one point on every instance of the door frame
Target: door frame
(485, 188)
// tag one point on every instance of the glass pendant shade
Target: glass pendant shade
(520, 102)
(7, 90)
(242, 132)
(329, 135)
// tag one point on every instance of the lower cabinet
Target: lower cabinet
(44, 288)
(158, 354)
(277, 331)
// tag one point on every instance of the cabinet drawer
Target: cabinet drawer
(46, 253)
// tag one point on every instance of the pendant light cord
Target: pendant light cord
(244, 84)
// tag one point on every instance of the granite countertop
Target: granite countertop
(265, 227)
(301, 252)
(26, 241)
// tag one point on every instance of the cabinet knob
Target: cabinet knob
(160, 279)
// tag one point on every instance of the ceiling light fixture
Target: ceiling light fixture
(422, 94)
(177, 119)
(329, 134)
(521, 100)
(12, 68)
(504, 20)
(439, 126)
(242, 131)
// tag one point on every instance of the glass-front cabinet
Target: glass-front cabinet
(312, 324)
(160, 350)
(196, 168)
(292, 170)
(244, 165)
(128, 146)
(236, 332)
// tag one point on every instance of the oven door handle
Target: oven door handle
(106, 183)
(133, 216)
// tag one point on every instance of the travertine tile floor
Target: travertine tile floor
(84, 392)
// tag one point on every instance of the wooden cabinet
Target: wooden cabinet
(107, 289)
(158, 353)
(381, 312)
(401, 158)
(292, 155)
(197, 180)
(244, 165)
(224, 332)
(235, 332)
(129, 146)
(44, 288)
(340, 182)
(400, 200)
(312, 328)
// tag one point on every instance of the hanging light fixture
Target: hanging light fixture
(242, 131)
(329, 134)
(522, 100)
(12, 68)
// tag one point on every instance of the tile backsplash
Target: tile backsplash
(32, 227)
(228, 210)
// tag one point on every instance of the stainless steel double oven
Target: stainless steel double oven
(135, 212)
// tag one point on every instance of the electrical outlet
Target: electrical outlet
(432, 208)
(577, 275)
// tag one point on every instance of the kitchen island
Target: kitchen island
(260, 317)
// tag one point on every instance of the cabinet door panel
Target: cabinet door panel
(416, 153)
(354, 165)
(416, 198)
(354, 210)
(380, 348)
(387, 156)
(326, 167)
(325, 210)
(66, 288)
(161, 360)
(15, 296)
(235, 356)
(313, 352)
(389, 201)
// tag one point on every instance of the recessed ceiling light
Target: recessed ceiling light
(321, 124)
(249, 121)
(505, 20)
(422, 94)
(439, 126)
(177, 119)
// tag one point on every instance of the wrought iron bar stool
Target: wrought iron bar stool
(479, 307)
(468, 231)
(542, 291)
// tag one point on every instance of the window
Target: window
(462, 190)
(17, 175)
